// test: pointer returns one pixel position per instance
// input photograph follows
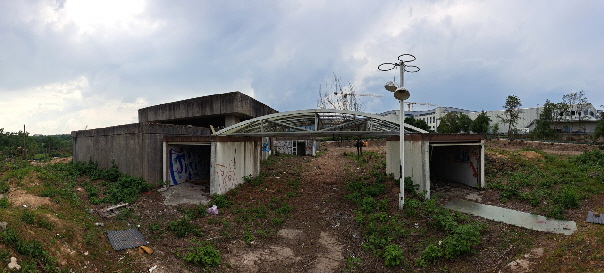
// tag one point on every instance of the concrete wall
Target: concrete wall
(136, 149)
(418, 156)
(293, 146)
(231, 161)
(416, 162)
(235, 104)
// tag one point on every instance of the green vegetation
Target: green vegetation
(32, 234)
(547, 182)
(36, 147)
(203, 254)
(511, 114)
(385, 228)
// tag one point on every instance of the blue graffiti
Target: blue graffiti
(265, 147)
(185, 165)
(461, 156)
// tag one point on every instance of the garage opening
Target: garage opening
(189, 163)
(301, 147)
(457, 162)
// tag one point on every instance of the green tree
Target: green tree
(511, 114)
(449, 124)
(417, 123)
(480, 125)
(543, 126)
(465, 122)
(494, 128)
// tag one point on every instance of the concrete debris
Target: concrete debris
(13, 264)
(594, 217)
(213, 210)
(111, 211)
(513, 217)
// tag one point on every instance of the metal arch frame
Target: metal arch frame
(316, 122)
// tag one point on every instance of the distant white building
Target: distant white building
(578, 116)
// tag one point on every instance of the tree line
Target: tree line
(574, 109)
(22, 145)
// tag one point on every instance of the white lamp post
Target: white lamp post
(401, 94)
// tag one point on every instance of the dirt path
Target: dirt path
(309, 241)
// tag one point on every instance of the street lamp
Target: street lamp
(400, 93)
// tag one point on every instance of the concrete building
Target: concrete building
(173, 142)
(180, 142)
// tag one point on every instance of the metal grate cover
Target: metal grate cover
(123, 239)
(591, 218)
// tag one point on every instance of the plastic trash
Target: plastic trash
(213, 210)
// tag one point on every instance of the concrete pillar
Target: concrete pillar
(230, 120)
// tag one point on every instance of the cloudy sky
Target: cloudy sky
(68, 65)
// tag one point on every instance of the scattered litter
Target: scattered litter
(145, 249)
(99, 224)
(123, 239)
(111, 211)
(25, 206)
(213, 210)
(594, 217)
(152, 268)
(3, 225)
(13, 264)
(164, 188)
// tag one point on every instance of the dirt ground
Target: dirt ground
(321, 234)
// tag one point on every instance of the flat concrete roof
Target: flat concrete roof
(208, 107)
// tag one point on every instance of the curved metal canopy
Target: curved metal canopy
(317, 122)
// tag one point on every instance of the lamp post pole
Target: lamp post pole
(401, 94)
(401, 200)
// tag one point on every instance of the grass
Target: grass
(33, 233)
(423, 236)
(551, 184)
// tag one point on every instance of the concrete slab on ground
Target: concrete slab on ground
(186, 193)
(513, 217)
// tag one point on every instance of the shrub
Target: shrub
(568, 198)
(221, 201)
(368, 205)
(180, 228)
(254, 180)
(4, 203)
(461, 240)
(28, 217)
(393, 255)
(204, 254)
(430, 254)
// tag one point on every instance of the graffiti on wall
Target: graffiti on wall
(309, 147)
(469, 156)
(265, 147)
(187, 164)
(225, 174)
(283, 146)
